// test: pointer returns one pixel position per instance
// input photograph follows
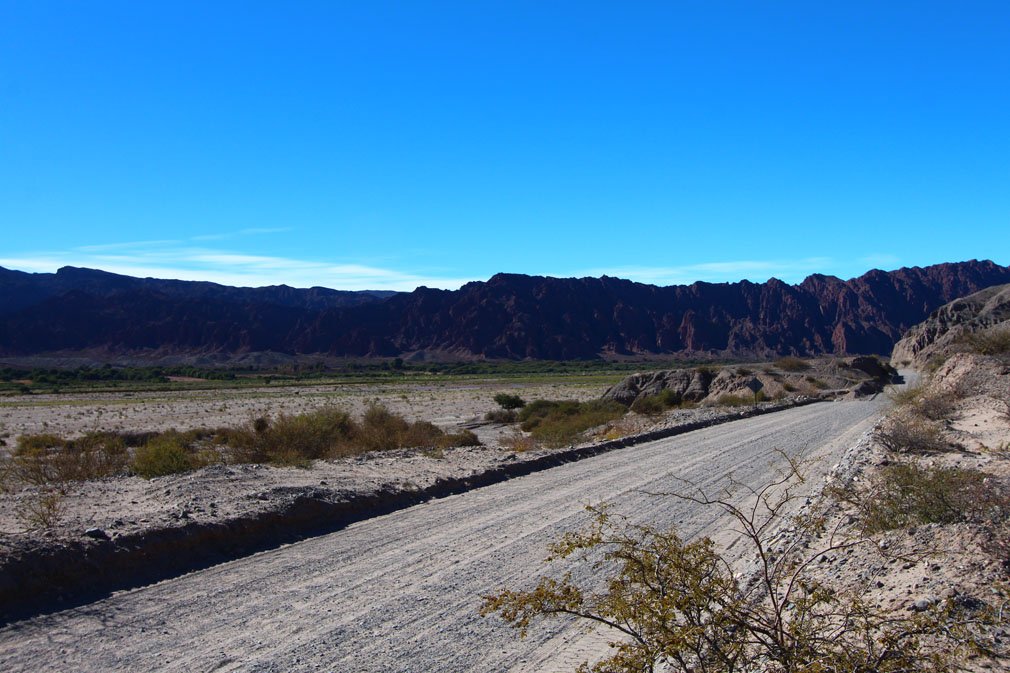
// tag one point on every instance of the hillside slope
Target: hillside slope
(953, 326)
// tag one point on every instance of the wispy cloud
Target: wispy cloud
(718, 272)
(881, 260)
(169, 259)
(251, 231)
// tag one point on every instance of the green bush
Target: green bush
(555, 423)
(509, 402)
(677, 602)
(163, 455)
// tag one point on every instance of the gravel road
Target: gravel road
(402, 592)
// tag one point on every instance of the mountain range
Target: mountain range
(508, 316)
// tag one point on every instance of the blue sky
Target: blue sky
(388, 145)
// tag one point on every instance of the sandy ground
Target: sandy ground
(446, 405)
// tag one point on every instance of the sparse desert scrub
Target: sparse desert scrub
(729, 400)
(909, 433)
(653, 405)
(992, 341)
(906, 494)
(926, 402)
(288, 439)
(678, 605)
(46, 459)
(556, 423)
(792, 364)
(518, 441)
(501, 416)
(42, 508)
(332, 433)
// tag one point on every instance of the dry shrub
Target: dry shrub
(653, 405)
(937, 406)
(46, 459)
(997, 544)
(992, 341)
(676, 605)
(905, 494)
(909, 433)
(519, 442)
(331, 433)
(792, 364)
(729, 400)
(501, 416)
(313, 435)
(42, 509)
(925, 402)
(1006, 408)
(816, 383)
(461, 438)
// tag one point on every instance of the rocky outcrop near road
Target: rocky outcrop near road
(857, 377)
(949, 329)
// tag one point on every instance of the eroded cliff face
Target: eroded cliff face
(948, 329)
(508, 316)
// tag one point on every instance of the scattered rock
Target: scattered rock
(96, 534)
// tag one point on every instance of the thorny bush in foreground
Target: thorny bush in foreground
(679, 605)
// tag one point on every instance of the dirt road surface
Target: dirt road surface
(402, 592)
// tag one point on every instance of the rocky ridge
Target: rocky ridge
(945, 331)
(508, 316)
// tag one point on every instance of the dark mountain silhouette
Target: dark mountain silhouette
(509, 316)
(20, 290)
